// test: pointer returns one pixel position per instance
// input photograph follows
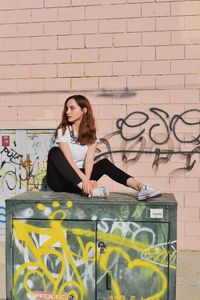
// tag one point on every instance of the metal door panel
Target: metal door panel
(9, 159)
(23, 156)
(38, 144)
(133, 261)
(54, 259)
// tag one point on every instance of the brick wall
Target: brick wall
(126, 56)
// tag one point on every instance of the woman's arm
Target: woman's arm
(89, 160)
(87, 184)
(67, 153)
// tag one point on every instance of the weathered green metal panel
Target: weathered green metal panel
(135, 257)
(53, 258)
(66, 246)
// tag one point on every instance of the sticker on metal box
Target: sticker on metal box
(156, 213)
(5, 140)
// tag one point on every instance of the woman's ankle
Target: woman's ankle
(134, 184)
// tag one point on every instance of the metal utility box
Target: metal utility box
(23, 159)
(70, 247)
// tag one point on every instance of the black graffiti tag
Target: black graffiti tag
(135, 128)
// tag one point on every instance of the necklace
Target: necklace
(74, 138)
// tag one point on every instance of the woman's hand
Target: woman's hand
(88, 186)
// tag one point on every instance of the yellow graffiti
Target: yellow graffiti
(160, 256)
(131, 264)
(59, 214)
(29, 273)
(40, 207)
(71, 293)
(69, 204)
(85, 239)
(56, 204)
(55, 233)
(86, 249)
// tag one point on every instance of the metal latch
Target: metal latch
(102, 247)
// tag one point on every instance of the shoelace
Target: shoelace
(146, 190)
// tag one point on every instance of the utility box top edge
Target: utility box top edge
(118, 198)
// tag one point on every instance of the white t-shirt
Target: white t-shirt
(78, 151)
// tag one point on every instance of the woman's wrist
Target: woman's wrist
(85, 181)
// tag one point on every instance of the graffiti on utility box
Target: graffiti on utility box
(58, 258)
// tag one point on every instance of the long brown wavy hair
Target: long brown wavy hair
(87, 129)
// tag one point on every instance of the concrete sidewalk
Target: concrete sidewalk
(188, 275)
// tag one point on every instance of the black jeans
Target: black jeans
(61, 177)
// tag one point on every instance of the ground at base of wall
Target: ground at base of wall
(188, 274)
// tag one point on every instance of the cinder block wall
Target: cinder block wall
(127, 56)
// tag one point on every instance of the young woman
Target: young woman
(71, 167)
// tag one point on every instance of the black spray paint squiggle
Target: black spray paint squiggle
(18, 170)
(170, 128)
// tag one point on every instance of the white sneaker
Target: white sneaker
(100, 192)
(147, 191)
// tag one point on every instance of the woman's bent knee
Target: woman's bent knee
(54, 154)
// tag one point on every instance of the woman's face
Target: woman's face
(73, 111)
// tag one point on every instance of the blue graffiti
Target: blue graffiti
(2, 214)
